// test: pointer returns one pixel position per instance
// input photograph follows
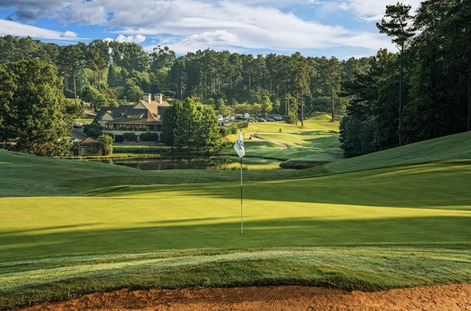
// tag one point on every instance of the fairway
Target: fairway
(392, 219)
(323, 211)
(133, 223)
(317, 141)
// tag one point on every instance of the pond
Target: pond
(199, 162)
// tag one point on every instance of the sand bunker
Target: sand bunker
(440, 298)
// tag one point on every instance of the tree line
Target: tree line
(419, 93)
(110, 73)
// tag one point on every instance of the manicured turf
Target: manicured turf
(346, 209)
(316, 141)
(62, 278)
(391, 219)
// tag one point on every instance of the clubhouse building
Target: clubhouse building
(143, 117)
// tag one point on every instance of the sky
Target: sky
(340, 28)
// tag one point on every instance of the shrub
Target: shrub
(290, 118)
(149, 136)
(232, 129)
(130, 136)
(224, 131)
(93, 129)
(242, 124)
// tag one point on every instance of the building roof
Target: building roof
(142, 112)
(115, 112)
(88, 141)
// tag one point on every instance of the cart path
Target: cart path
(250, 135)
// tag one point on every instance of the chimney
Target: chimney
(158, 97)
(147, 98)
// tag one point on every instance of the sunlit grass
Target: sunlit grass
(395, 218)
(347, 209)
(316, 141)
(352, 269)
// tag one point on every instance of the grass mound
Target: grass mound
(350, 269)
(450, 147)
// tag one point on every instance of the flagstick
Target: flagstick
(241, 201)
(239, 148)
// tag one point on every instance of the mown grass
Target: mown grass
(316, 141)
(353, 269)
(341, 209)
(361, 230)
(456, 146)
(391, 219)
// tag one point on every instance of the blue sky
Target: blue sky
(341, 28)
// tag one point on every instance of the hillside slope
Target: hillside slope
(27, 175)
(452, 147)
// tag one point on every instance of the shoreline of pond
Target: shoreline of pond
(171, 161)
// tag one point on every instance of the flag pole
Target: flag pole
(240, 149)
(241, 202)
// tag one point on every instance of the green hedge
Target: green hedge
(130, 136)
(149, 136)
(233, 128)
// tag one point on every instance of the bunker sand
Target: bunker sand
(442, 298)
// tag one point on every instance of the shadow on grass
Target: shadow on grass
(31, 231)
(434, 185)
(418, 231)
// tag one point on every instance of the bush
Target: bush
(93, 129)
(232, 129)
(242, 124)
(149, 137)
(130, 136)
(290, 118)
(224, 131)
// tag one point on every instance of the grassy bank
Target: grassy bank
(52, 279)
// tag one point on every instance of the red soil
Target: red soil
(440, 298)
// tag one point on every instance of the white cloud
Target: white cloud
(219, 24)
(237, 25)
(84, 13)
(373, 10)
(215, 37)
(21, 30)
(131, 39)
(69, 35)
(219, 40)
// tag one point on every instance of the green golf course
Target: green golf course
(390, 219)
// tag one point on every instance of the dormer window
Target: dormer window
(136, 116)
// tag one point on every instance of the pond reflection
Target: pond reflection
(173, 163)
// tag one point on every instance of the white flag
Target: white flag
(239, 146)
